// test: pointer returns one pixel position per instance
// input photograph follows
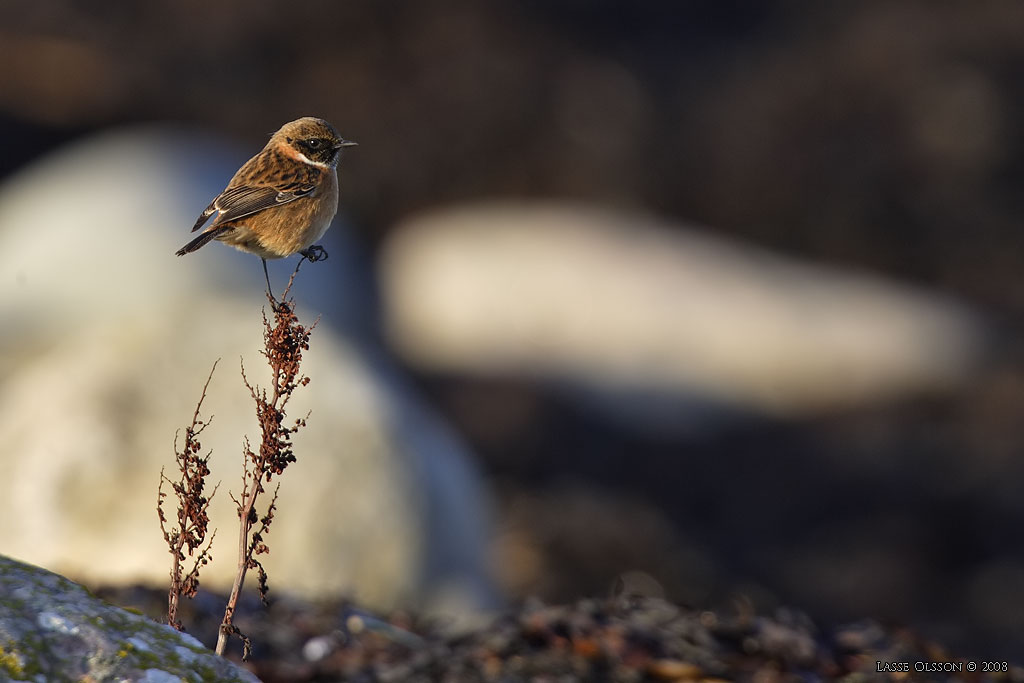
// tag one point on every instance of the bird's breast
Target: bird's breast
(298, 225)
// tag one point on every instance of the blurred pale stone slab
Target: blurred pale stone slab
(106, 340)
(626, 302)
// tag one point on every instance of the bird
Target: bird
(282, 200)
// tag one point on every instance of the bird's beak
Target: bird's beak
(345, 143)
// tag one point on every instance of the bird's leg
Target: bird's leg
(315, 253)
(270, 291)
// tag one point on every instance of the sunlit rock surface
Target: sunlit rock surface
(54, 630)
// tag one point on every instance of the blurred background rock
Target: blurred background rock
(871, 143)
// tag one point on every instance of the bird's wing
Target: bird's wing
(205, 215)
(245, 200)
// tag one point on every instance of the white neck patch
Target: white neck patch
(303, 158)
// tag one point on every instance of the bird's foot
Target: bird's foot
(315, 253)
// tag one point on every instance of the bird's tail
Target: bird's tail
(211, 234)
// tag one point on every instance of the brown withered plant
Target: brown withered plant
(192, 521)
(283, 344)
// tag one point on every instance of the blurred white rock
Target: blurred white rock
(106, 340)
(633, 307)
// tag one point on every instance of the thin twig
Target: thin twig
(192, 517)
(284, 343)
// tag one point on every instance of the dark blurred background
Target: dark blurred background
(871, 134)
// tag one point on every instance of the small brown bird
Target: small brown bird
(283, 199)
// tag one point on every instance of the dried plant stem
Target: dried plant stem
(192, 517)
(284, 342)
(247, 513)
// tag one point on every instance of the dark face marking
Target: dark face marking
(317, 149)
(313, 138)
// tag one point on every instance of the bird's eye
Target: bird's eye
(314, 143)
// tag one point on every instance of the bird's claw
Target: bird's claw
(314, 253)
